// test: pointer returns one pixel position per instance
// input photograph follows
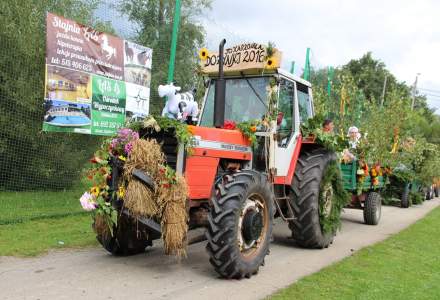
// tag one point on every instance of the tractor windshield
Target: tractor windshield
(246, 99)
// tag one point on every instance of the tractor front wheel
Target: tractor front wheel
(126, 239)
(372, 208)
(240, 224)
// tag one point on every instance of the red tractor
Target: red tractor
(236, 190)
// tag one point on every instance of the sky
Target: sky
(405, 35)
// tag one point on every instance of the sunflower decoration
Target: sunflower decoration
(271, 61)
(203, 54)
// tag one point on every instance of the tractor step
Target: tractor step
(289, 208)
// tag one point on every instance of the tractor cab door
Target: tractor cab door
(287, 131)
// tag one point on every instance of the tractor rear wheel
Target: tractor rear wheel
(372, 208)
(126, 239)
(240, 224)
(311, 201)
(404, 199)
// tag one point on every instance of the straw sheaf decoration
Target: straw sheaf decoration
(147, 156)
(172, 201)
(167, 202)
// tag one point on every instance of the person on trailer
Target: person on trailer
(354, 137)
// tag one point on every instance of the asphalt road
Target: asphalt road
(93, 274)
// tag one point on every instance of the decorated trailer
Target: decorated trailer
(364, 185)
(243, 164)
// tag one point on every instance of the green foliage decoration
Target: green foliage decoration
(248, 128)
(328, 140)
(330, 219)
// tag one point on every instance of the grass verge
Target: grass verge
(38, 236)
(405, 266)
(17, 207)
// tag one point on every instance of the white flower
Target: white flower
(87, 202)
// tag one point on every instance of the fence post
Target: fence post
(174, 41)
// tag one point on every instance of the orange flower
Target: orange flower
(253, 128)
(191, 129)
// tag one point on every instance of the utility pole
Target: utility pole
(383, 90)
(414, 91)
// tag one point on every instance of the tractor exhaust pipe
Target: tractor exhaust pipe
(220, 90)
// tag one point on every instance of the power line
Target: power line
(432, 95)
(430, 90)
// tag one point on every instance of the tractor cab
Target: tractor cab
(249, 85)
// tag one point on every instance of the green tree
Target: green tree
(154, 19)
(358, 86)
(30, 159)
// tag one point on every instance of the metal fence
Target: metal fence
(40, 172)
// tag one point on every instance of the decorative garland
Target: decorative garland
(184, 133)
(99, 173)
(361, 173)
(331, 222)
(248, 129)
(167, 202)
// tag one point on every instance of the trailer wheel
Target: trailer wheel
(127, 240)
(404, 199)
(431, 192)
(373, 208)
(306, 191)
(240, 224)
(428, 193)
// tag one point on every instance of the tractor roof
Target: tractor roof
(249, 59)
(279, 71)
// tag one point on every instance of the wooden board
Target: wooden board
(247, 58)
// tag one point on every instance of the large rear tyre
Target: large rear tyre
(404, 199)
(373, 208)
(311, 201)
(126, 239)
(240, 224)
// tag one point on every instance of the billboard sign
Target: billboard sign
(94, 81)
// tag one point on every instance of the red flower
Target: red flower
(229, 124)
(93, 160)
(280, 118)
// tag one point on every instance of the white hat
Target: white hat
(353, 129)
